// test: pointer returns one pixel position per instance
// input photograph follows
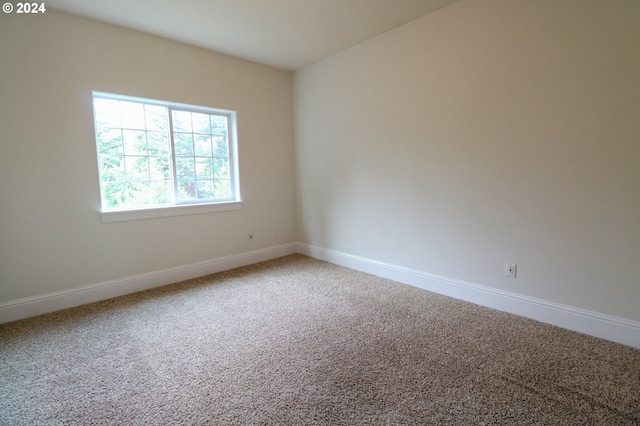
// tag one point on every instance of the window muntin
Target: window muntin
(155, 154)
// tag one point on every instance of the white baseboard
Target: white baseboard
(50, 302)
(604, 326)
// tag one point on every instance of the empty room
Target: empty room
(320, 212)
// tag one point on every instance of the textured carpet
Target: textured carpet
(297, 341)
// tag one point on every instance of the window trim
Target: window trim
(179, 208)
(138, 213)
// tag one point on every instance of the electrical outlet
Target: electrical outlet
(510, 270)
(274, 234)
(250, 237)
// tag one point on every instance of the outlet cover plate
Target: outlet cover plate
(510, 270)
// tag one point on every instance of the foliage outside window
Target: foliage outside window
(155, 154)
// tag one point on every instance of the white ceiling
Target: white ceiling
(287, 34)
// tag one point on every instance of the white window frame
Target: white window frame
(179, 207)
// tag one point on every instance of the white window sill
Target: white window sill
(166, 211)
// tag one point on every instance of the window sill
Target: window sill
(167, 211)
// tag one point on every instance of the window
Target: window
(154, 155)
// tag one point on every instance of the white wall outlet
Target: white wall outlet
(510, 270)
(250, 237)
(274, 234)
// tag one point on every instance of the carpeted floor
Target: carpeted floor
(297, 341)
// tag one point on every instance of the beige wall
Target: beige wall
(486, 132)
(51, 237)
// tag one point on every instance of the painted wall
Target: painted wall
(51, 236)
(486, 132)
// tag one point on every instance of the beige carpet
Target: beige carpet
(297, 341)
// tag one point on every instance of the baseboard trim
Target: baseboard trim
(595, 324)
(55, 301)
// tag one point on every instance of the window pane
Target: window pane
(112, 168)
(181, 121)
(202, 145)
(158, 143)
(222, 188)
(132, 114)
(204, 168)
(219, 125)
(113, 194)
(161, 192)
(201, 123)
(187, 190)
(138, 194)
(137, 168)
(159, 168)
(220, 146)
(220, 168)
(156, 118)
(185, 169)
(183, 143)
(135, 142)
(109, 141)
(107, 112)
(205, 188)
